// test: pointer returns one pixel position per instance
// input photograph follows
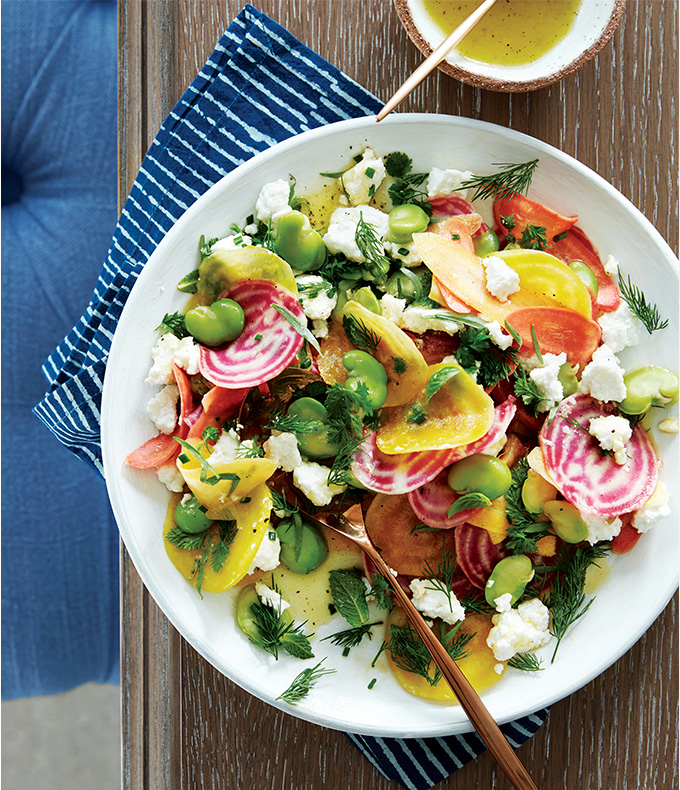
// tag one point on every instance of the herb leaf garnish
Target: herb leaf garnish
(303, 683)
(300, 328)
(527, 662)
(438, 379)
(372, 250)
(524, 530)
(359, 334)
(175, 324)
(510, 179)
(647, 313)
(349, 596)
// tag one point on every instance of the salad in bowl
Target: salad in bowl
(441, 348)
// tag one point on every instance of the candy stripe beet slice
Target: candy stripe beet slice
(249, 361)
(476, 555)
(431, 503)
(584, 475)
(399, 474)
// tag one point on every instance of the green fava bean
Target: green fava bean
(536, 491)
(486, 243)
(378, 271)
(480, 474)
(298, 243)
(190, 516)
(364, 369)
(404, 221)
(244, 615)
(303, 547)
(405, 284)
(511, 575)
(647, 387)
(314, 444)
(367, 299)
(219, 323)
(568, 380)
(566, 521)
(586, 275)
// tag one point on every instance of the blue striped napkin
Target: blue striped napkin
(259, 86)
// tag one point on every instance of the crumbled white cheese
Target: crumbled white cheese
(162, 408)
(392, 308)
(503, 602)
(653, 510)
(603, 376)
(270, 597)
(314, 298)
(272, 202)
(498, 669)
(519, 630)
(600, 528)
(361, 181)
(447, 182)
(267, 557)
(611, 266)
(546, 378)
(620, 328)
(396, 252)
(341, 233)
(312, 479)
(612, 433)
(169, 349)
(419, 319)
(501, 280)
(433, 602)
(498, 336)
(226, 447)
(282, 449)
(171, 477)
(233, 242)
(251, 229)
(320, 328)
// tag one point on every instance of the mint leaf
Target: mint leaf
(349, 596)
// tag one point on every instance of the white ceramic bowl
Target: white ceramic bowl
(641, 582)
(594, 25)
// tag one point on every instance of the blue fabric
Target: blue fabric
(59, 539)
(260, 86)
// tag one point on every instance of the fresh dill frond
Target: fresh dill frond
(474, 603)
(510, 179)
(527, 662)
(272, 633)
(647, 313)
(440, 578)
(524, 530)
(372, 250)
(399, 365)
(351, 637)
(286, 423)
(408, 652)
(254, 450)
(303, 683)
(175, 324)
(282, 504)
(359, 334)
(380, 590)
(346, 409)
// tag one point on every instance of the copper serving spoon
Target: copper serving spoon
(351, 525)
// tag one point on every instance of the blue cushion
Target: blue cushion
(60, 623)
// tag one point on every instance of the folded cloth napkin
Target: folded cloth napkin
(259, 86)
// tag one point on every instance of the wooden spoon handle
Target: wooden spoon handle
(468, 698)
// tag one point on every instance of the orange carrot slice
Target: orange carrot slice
(529, 212)
(219, 404)
(157, 451)
(557, 329)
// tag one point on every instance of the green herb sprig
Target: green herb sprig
(511, 179)
(647, 313)
(303, 683)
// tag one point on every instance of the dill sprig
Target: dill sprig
(478, 354)
(510, 179)
(359, 334)
(346, 409)
(372, 250)
(440, 578)
(273, 633)
(287, 423)
(524, 530)
(381, 590)
(647, 313)
(303, 683)
(351, 637)
(527, 662)
(214, 544)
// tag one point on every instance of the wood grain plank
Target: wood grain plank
(187, 726)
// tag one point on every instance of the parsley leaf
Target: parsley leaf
(175, 324)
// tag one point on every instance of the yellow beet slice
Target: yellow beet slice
(493, 520)
(478, 665)
(223, 268)
(544, 280)
(393, 343)
(459, 413)
(333, 347)
(252, 521)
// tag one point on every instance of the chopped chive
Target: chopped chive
(370, 172)
(245, 500)
(345, 652)
(358, 157)
(258, 338)
(372, 683)
(455, 236)
(371, 190)
(184, 458)
(403, 251)
(561, 236)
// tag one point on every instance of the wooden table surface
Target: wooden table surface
(185, 726)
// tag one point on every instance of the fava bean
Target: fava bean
(314, 444)
(405, 284)
(510, 575)
(647, 387)
(378, 271)
(219, 323)
(364, 369)
(566, 521)
(190, 515)
(244, 615)
(480, 474)
(586, 275)
(486, 243)
(367, 299)
(536, 491)
(567, 378)
(404, 221)
(298, 243)
(303, 547)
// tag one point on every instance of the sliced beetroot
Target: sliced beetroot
(476, 555)
(453, 206)
(268, 343)
(404, 472)
(431, 503)
(584, 475)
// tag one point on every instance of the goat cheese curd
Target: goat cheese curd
(498, 336)
(233, 242)
(282, 449)
(503, 602)
(519, 630)
(362, 180)
(434, 602)
(447, 182)
(341, 233)
(226, 447)
(602, 377)
(546, 379)
(270, 597)
(312, 479)
(501, 280)
(612, 433)
(171, 477)
(162, 408)
(272, 202)
(414, 318)
(620, 328)
(319, 328)
(267, 556)
(314, 298)
(654, 509)
(601, 528)
(168, 349)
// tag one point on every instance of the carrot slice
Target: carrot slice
(460, 229)
(626, 539)
(529, 212)
(219, 404)
(155, 452)
(557, 329)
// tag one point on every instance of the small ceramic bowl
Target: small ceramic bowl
(594, 25)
